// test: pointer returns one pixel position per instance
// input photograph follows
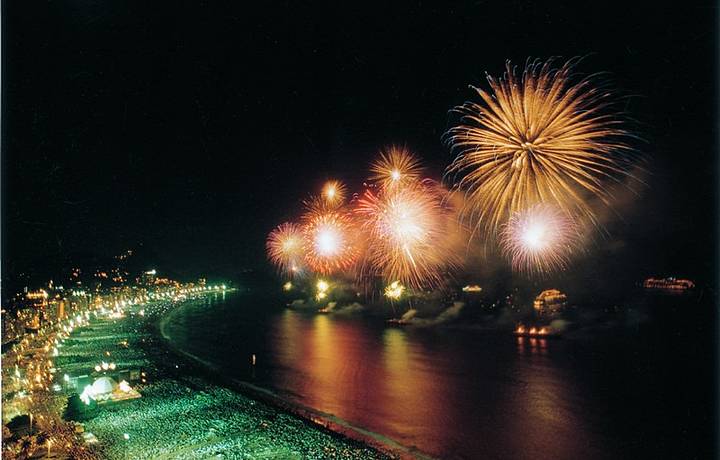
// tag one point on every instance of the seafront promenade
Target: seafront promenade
(100, 384)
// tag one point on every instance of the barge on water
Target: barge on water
(671, 284)
(398, 322)
(536, 331)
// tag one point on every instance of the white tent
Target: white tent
(103, 387)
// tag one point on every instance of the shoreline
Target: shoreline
(182, 411)
(316, 418)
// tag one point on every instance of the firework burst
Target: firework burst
(394, 290)
(538, 137)
(285, 248)
(331, 198)
(328, 241)
(539, 240)
(406, 231)
(395, 167)
(333, 193)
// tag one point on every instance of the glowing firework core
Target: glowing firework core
(322, 289)
(396, 165)
(322, 286)
(405, 223)
(333, 194)
(284, 245)
(539, 239)
(290, 244)
(395, 290)
(327, 242)
(535, 236)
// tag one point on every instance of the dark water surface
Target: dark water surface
(642, 392)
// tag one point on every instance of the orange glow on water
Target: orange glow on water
(404, 384)
(331, 355)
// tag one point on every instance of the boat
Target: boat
(398, 322)
(536, 332)
(328, 308)
(668, 284)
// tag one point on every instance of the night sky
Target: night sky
(190, 129)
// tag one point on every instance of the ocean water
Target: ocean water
(453, 391)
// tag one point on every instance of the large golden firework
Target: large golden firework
(395, 167)
(285, 248)
(328, 241)
(539, 137)
(406, 228)
(539, 240)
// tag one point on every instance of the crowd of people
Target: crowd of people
(178, 415)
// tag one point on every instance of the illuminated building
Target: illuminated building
(40, 295)
(148, 277)
(61, 310)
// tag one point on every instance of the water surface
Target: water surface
(462, 393)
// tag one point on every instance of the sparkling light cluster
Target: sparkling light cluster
(406, 228)
(395, 231)
(534, 159)
(285, 247)
(540, 239)
(329, 241)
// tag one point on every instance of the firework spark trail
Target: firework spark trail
(329, 241)
(538, 138)
(539, 240)
(402, 226)
(395, 167)
(406, 231)
(285, 248)
(331, 198)
(333, 193)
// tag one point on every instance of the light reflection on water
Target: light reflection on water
(396, 382)
(451, 393)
